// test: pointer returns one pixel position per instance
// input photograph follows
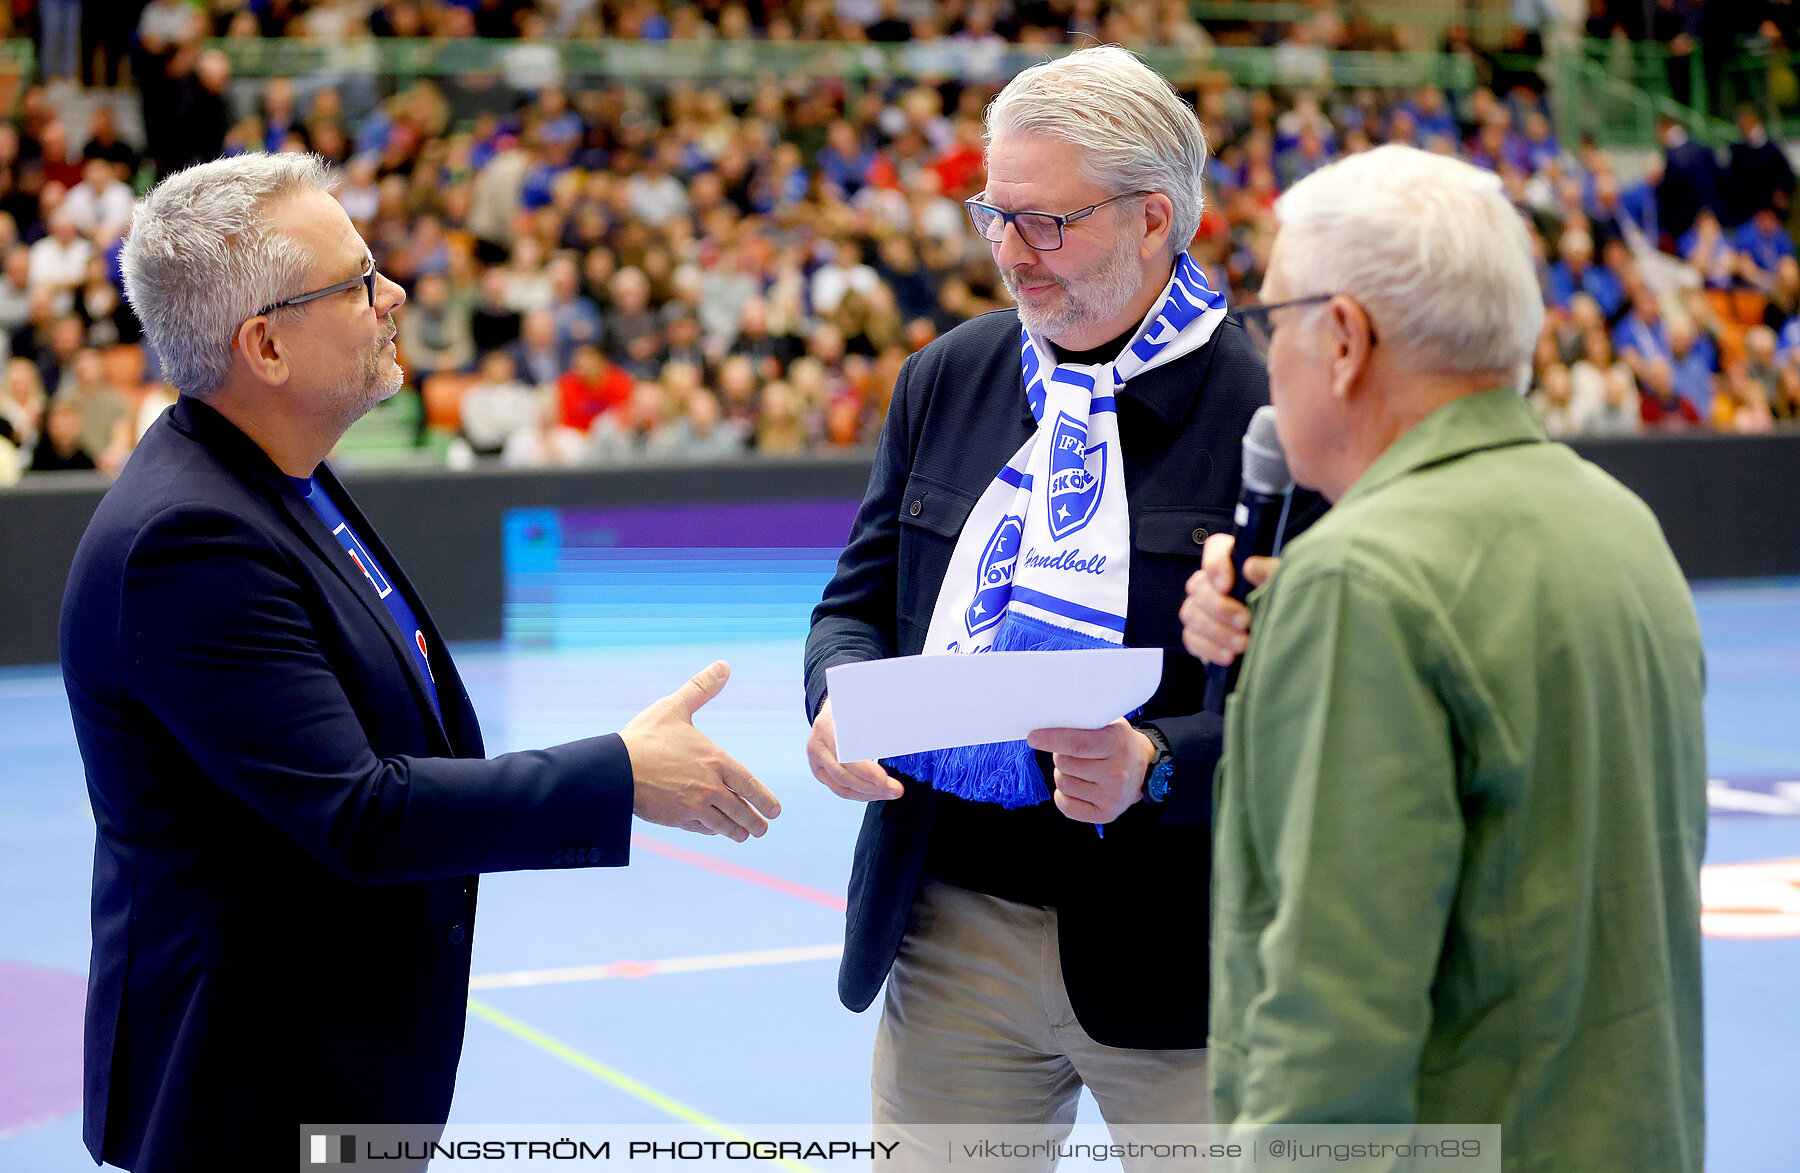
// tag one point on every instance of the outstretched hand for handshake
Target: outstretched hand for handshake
(681, 779)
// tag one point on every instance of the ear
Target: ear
(257, 347)
(1158, 212)
(1350, 336)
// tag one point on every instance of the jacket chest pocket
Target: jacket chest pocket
(1177, 531)
(934, 508)
(932, 516)
(1166, 548)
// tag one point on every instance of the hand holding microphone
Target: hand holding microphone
(1215, 622)
(1215, 625)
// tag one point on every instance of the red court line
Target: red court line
(40, 1045)
(737, 871)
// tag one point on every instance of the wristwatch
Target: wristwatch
(1162, 766)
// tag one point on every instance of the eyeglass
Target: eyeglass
(1043, 231)
(366, 279)
(1255, 319)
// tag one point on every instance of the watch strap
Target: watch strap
(1162, 766)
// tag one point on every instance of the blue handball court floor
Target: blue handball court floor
(697, 986)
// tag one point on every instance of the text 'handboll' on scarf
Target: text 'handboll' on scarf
(1044, 560)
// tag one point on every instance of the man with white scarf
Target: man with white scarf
(1046, 479)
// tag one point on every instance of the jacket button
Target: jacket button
(1200, 535)
(556, 857)
(457, 936)
(593, 855)
(916, 508)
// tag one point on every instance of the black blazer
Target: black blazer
(1133, 922)
(287, 837)
(1758, 178)
(1690, 182)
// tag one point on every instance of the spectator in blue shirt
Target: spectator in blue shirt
(1613, 219)
(1495, 144)
(1787, 346)
(1695, 364)
(1763, 241)
(844, 160)
(1431, 114)
(1642, 335)
(578, 321)
(1576, 273)
(1540, 142)
(1637, 201)
(280, 117)
(548, 165)
(781, 182)
(1309, 154)
(557, 121)
(1705, 247)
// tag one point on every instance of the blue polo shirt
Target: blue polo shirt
(1766, 249)
(383, 586)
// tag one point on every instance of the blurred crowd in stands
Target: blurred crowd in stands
(1711, 33)
(601, 273)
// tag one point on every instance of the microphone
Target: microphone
(1256, 526)
(1262, 503)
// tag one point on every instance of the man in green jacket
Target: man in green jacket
(1462, 806)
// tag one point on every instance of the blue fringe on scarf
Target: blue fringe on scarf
(1005, 772)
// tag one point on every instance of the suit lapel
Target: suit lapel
(312, 528)
(456, 715)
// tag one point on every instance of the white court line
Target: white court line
(638, 969)
(1784, 801)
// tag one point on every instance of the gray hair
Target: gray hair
(1133, 131)
(1431, 248)
(201, 258)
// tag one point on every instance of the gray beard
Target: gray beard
(359, 398)
(1103, 294)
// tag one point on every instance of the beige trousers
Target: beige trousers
(976, 1028)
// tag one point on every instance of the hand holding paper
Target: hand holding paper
(911, 704)
(864, 781)
(1099, 772)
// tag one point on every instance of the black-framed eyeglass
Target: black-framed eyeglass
(1257, 323)
(1043, 231)
(366, 279)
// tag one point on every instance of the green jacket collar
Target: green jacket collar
(1488, 419)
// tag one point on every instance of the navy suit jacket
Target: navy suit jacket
(1690, 182)
(1133, 915)
(287, 835)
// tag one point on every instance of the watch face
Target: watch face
(1157, 785)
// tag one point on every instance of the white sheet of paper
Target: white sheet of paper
(910, 704)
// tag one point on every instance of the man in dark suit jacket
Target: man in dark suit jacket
(1758, 175)
(287, 777)
(1690, 180)
(1025, 955)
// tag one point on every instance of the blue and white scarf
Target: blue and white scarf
(1044, 560)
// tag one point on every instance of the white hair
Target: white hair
(1429, 246)
(202, 258)
(1133, 130)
